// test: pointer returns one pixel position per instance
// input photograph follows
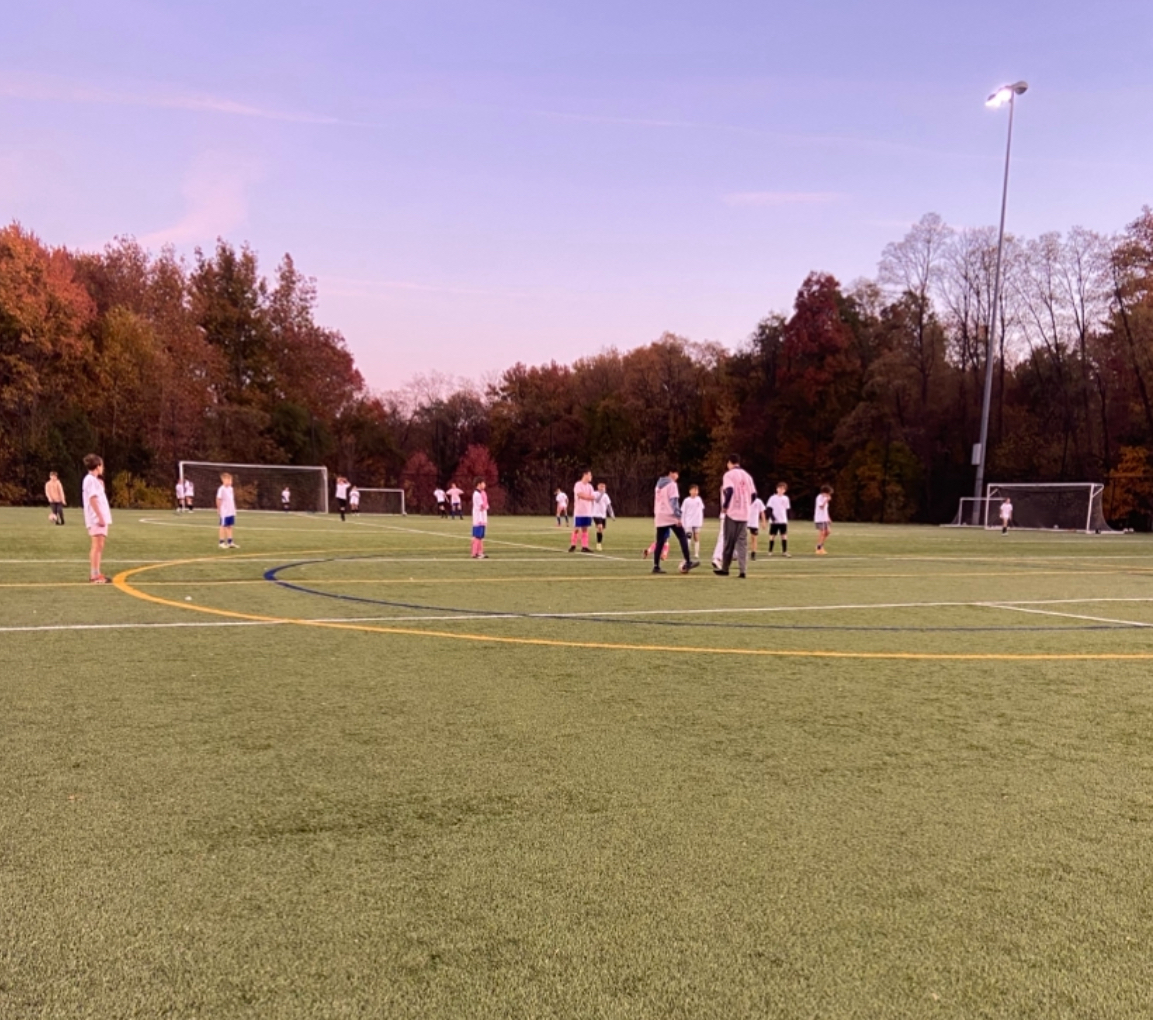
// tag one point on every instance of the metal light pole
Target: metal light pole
(1005, 94)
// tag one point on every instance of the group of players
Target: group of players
(743, 515)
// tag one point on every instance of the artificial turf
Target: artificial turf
(383, 813)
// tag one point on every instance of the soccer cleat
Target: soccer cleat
(787, 556)
(572, 548)
(99, 579)
(719, 572)
(600, 547)
(586, 549)
(222, 545)
(741, 576)
(753, 554)
(821, 552)
(657, 570)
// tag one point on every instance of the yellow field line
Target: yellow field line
(122, 583)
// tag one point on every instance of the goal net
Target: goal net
(259, 486)
(381, 501)
(1062, 506)
(972, 512)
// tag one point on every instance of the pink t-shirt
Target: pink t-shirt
(741, 482)
(583, 495)
(663, 500)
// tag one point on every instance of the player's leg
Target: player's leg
(740, 547)
(95, 554)
(659, 547)
(784, 540)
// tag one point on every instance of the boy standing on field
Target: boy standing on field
(285, 499)
(97, 515)
(561, 506)
(180, 495)
(1006, 515)
(583, 496)
(54, 491)
(821, 518)
(189, 492)
(693, 519)
(454, 493)
(778, 515)
(737, 491)
(756, 522)
(438, 494)
(342, 488)
(602, 511)
(354, 500)
(226, 508)
(479, 519)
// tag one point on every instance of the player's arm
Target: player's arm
(94, 502)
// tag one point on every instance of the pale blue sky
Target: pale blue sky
(479, 183)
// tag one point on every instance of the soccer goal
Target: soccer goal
(1039, 506)
(382, 501)
(259, 486)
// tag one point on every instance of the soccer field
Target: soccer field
(347, 771)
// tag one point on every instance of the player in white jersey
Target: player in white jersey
(97, 515)
(189, 493)
(342, 487)
(693, 519)
(602, 511)
(441, 501)
(778, 515)
(821, 518)
(226, 510)
(756, 522)
(1006, 515)
(479, 519)
(354, 500)
(180, 495)
(561, 506)
(286, 499)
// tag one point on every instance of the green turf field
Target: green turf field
(347, 771)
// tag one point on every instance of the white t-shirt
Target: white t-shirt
(561, 501)
(693, 513)
(179, 490)
(342, 490)
(226, 501)
(285, 495)
(354, 496)
(439, 496)
(189, 489)
(1006, 511)
(602, 506)
(479, 508)
(756, 509)
(779, 507)
(94, 486)
(821, 514)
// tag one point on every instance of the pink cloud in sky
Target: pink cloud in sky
(216, 202)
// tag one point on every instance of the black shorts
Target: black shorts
(779, 529)
(598, 522)
(754, 531)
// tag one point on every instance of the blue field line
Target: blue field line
(272, 575)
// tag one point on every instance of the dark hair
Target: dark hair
(782, 485)
(477, 482)
(827, 490)
(92, 461)
(735, 458)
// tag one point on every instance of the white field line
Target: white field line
(1068, 616)
(443, 618)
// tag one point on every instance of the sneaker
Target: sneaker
(99, 579)
(753, 555)
(690, 565)
(572, 548)
(821, 552)
(599, 547)
(482, 556)
(233, 545)
(222, 545)
(787, 556)
(741, 576)
(719, 572)
(657, 570)
(586, 549)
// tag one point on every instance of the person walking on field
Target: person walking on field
(737, 490)
(821, 518)
(667, 518)
(693, 519)
(602, 511)
(583, 496)
(1006, 515)
(756, 522)
(54, 492)
(97, 515)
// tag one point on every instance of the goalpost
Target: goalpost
(259, 486)
(382, 501)
(1038, 506)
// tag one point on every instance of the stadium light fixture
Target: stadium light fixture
(1005, 94)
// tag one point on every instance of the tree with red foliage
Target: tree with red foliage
(477, 463)
(418, 480)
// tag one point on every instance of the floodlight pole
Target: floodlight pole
(1014, 91)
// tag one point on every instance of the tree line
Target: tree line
(874, 387)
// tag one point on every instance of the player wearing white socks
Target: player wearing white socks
(693, 519)
(756, 521)
(602, 511)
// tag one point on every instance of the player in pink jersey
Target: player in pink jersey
(667, 518)
(737, 493)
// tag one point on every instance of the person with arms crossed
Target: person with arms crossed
(583, 495)
(54, 492)
(97, 515)
(737, 492)
(755, 523)
(821, 519)
(667, 518)
(693, 519)
(226, 511)
(479, 519)
(454, 493)
(602, 511)
(778, 514)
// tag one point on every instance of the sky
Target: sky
(476, 184)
